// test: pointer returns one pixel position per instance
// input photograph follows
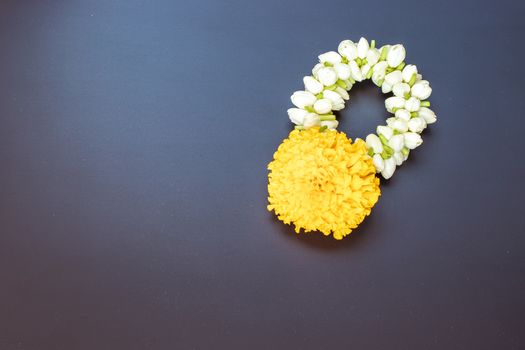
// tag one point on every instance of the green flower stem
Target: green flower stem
(369, 74)
(401, 66)
(319, 96)
(371, 152)
(425, 104)
(384, 52)
(341, 84)
(405, 151)
(327, 117)
(373, 44)
(414, 114)
(413, 79)
(309, 109)
(299, 127)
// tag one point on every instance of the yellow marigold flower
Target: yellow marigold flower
(321, 181)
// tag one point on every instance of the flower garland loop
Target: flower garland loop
(319, 180)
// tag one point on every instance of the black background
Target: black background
(134, 139)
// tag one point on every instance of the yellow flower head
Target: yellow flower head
(321, 181)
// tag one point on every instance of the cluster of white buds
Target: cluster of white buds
(326, 91)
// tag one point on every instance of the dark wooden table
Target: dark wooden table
(134, 139)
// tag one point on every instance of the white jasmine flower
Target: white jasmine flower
(408, 71)
(401, 89)
(348, 49)
(362, 48)
(330, 124)
(397, 124)
(297, 115)
(396, 55)
(394, 102)
(417, 124)
(312, 85)
(421, 89)
(337, 101)
(397, 142)
(355, 71)
(342, 70)
(403, 114)
(427, 114)
(323, 106)
(311, 119)
(327, 76)
(379, 163)
(331, 57)
(389, 168)
(412, 104)
(342, 92)
(372, 56)
(412, 140)
(302, 99)
(393, 78)
(386, 131)
(399, 158)
(373, 142)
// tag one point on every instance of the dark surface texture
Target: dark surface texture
(134, 139)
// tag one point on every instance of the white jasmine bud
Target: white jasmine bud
(331, 57)
(342, 70)
(323, 106)
(373, 142)
(394, 102)
(342, 92)
(412, 104)
(330, 124)
(427, 114)
(412, 140)
(297, 115)
(417, 124)
(333, 96)
(372, 56)
(403, 114)
(362, 48)
(316, 69)
(397, 142)
(421, 89)
(327, 76)
(401, 90)
(399, 158)
(408, 71)
(397, 124)
(386, 131)
(386, 87)
(355, 71)
(365, 69)
(311, 119)
(312, 85)
(393, 78)
(302, 99)
(396, 55)
(348, 49)
(389, 168)
(380, 67)
(379, 163)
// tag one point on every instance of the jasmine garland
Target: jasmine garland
(326, 90)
